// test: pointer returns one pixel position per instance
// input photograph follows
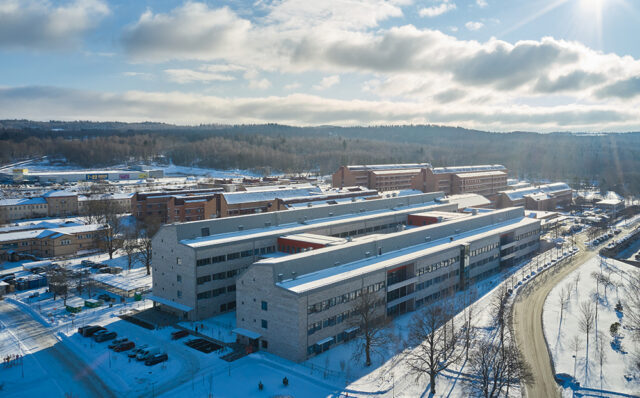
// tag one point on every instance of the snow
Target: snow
(468, 169)
(260, 196)
(617, 375)
(219, 327)
(205, 172)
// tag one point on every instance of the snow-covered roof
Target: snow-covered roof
(54, 194)
(612, 202)
(108, 196)
(263, 196)
(480, 174)
(468, 200)
(364, 266)
(468, 169)
(167, 302)
(124, 282)
(48, 233)
(397, 166)
(396, 171)
(314, 238)
(22, 201)
(517, 194)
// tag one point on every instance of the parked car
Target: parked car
(148, 352)
(90, 330)
(127, 345)
(117, 342)
(135, 351)
(105, 337)
(86, 263)
(178, 334)
(104, 297)
(157, 358)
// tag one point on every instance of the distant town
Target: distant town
(176, 278)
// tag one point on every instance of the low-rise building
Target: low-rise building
(51, 242)
(546, 197)
(299, 305)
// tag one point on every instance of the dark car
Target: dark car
(136, 350)
(117, 342)
(105, 337)
(90, 330)
(156, 359)
(127, 345)
(178, 334)
(104, 297)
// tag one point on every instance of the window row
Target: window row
(217, 276)
(484, 249)
(234, 256)
(216, 292)
(483, 261)
(345, 298)
(535, 232)
(438, 265)
(437, 279)
(368, 230)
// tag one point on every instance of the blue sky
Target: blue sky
(499, 65)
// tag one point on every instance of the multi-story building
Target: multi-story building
(51, 242)
(546, 197)
(298, 305)
(176, 206)
(382, 177)
(195, 264)
(22, 174)
(18, 209)
(485, 180)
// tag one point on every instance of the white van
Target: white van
(149, 352)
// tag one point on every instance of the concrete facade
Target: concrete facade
(196, 264)
(300, 305)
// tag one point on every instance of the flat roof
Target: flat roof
(444, 214)
(261, 196)
(396, 171)
(315, 238)
(468, 200)
(22, 201)
(293, 228)
(169, 303)
(396, 166)
(467, 169)
(481, 174)
(49, 233)
(364, 266)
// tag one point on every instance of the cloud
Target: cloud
(472, 26)
(193, 31)
(260, 84)
(45, 103)
(482, 3)
(183, 76)
(440, 9)
(37, 24)
(327, 82)
(573, 81)
(292, 86)
(623, 89)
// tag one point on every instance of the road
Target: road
(69, 373)
(527, 322)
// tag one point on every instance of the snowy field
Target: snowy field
(604, 365)
(173, 170)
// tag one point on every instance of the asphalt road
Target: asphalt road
(68, 371)
(527, 321)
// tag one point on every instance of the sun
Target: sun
(592, 5)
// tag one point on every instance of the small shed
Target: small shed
(74, 305)
(93, 303)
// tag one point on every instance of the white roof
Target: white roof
(364, 266)
(609, 202)
(22, 201)
(468, 200)
(313, 238)
(124, 282)
(388, 166)
(467, 169)
(481, 174)
(517, 194)
(247, 333)
(49, 233)
(396, 171)
(262, 196)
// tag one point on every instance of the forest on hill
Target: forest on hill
(612, 160)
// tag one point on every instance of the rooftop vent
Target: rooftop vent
(280, 277)
(293, 274)
(240, 227)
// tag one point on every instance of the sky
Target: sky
(496, 65)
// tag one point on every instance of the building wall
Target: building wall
(65, 245)
(18, 212)
(62, 206)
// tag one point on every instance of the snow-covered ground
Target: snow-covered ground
(205, 172)
(616, 373)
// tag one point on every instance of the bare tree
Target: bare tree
(632, 304)
(60, 283)
(434, 342)
(146, 230)
(586, 323)
(602, 356)
(563, 300)
(576, 282)
(368, 314)
(575, 346)
(496, 367)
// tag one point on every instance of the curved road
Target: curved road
(527, 322)
(63, 366)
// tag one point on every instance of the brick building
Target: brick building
(381, 177)
(546, 197)
(485, 180)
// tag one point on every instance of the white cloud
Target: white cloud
(292, 86)
(189, 76)
(260, 84)
(37, 24)
(482, 3)
(327, 82)
(471, 25)
(45, 103)
(439, 9)
(193, 31)
(142, 75)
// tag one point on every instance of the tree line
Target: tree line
(608, 160)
